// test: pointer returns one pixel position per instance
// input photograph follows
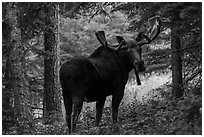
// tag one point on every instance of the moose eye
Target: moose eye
(124, 47)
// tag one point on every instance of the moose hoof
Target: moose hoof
(115, 128)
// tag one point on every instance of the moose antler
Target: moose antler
(117, 47)
(149, 40)
(100, 35)
(153, 31)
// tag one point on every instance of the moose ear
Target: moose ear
(121, 42)
(120, 39)
(100, 35)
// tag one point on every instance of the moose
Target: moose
(104, 73)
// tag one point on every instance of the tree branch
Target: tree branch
(75, 7)
(199, 71)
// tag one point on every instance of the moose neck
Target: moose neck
(124, 61)
(105, 58)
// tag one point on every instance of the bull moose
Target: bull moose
(105, 72)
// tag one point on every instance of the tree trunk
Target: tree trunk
(17, 65)
(7, 95)
(52, 96)
(177, 83)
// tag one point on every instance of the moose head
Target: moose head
(147, 33)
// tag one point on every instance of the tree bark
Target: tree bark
(7, 94)
(52, 96)
(22, 111)
(177, 82)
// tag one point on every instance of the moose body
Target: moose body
(105, 72)
(97, 76)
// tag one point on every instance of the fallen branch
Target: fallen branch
(33, 107)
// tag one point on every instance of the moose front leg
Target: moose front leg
(99, 110)
(76, 109)
(115, 104)
(116, 99)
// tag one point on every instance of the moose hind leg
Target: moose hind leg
(76, 109)
(99, 109)
(68, 108)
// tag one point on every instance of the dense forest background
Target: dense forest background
(38, 37)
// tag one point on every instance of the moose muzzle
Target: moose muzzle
(139, 66)
(138, 63)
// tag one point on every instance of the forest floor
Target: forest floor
(145, 110)
(135, 112)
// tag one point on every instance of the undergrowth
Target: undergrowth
(160, 114)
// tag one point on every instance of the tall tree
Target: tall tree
(18, 84)
(52, 96)
(7, 94)
(185, 20)
(176, 62)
